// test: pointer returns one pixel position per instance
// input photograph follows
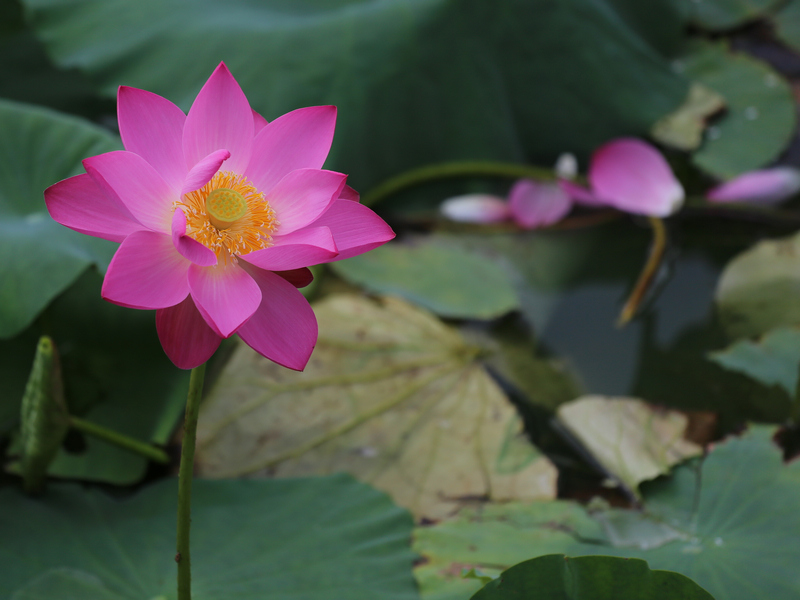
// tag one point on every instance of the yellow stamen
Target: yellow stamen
(229, 216)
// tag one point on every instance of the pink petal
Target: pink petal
(259, 122)
(538, 204)
(300, 139)
(767, 186)
(299, 278)
(356, 229)
(80, 204)
(185, 336)
(152, 127)
(187, 246)
(203, 171)
(146, 272)
(580, 194)
(475, 208)
(635, 178)
(220, 117)
(284, 328)
(138, 186)
(309, 246)
(225, 295)
(302, 196)
(349, 193)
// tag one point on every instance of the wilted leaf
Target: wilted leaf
(760, 117)
(758, 289)
(631, 440)
(683, 128)
(589, 578)
(392, 396)
(772, 360)
(251, 540)
(734, 534)
(443, 279)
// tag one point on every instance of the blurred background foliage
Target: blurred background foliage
(421, 82)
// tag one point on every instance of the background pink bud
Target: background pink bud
(538, 204)
(767, 186)
(475, 208)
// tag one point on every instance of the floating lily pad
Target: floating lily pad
(39, 258)
(415, 83)
(760, 117)
(251, 540)
(629, 439)
(392, 396)
(443, 279)
(758, 288)
(719, 15)
(572, 285)
(787, 24)
(772, 360)
(727, 523)
(556, 576)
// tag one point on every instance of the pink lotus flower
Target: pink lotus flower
(632, 176)
(219, 214)
(766, 186)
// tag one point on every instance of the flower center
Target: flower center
(225, 207)
(229, 216)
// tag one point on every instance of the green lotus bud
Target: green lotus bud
(44, 418)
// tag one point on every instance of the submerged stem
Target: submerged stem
(185, 483)
(648, 272)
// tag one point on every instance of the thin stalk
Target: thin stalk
(467, 168)
(648, 273)
(182, 557)
(119, 439)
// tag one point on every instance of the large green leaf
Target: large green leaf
(443, 279)
(251, 540)
(115, 374)
(729, 523)
(391, 395)
(760, 117)
(416, 82)
(39, 258)
(28, 75)
(717, 15)
(557, 577)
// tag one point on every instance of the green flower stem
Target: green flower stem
(119, 439)
(468, 168)
(185, 483)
